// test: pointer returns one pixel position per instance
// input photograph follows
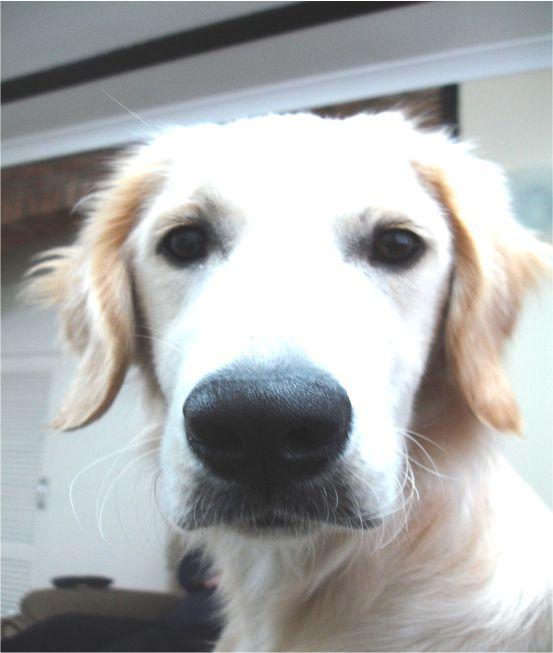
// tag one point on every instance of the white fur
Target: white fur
(284, 289)
(460, 560)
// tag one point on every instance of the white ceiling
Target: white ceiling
(407, 48)
(38, 35)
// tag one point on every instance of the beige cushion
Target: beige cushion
(149, 606)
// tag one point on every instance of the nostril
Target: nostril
(225, 442)
(313, 439)
(301, 439)
(209, 435)
(298, 440)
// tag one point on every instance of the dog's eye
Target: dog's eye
(184, 245)
(396, 247)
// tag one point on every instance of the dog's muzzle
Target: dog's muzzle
(267, 429)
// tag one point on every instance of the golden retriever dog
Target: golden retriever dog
(318, 308)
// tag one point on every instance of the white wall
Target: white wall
(133, 547)
(509, 120)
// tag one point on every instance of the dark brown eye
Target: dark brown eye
(398, 247)
(184, 245)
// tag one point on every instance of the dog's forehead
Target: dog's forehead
(294, 166)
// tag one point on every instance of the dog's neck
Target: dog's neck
(455, 545)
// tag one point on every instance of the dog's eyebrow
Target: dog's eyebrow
(188, 213)
(203, 204)
(373, 218)
(403, 222)
(209, 199)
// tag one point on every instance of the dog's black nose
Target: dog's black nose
(267, 427)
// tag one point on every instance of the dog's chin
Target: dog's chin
(273, 522)
(295, 511)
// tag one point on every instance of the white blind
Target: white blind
(15, 583)
(24, 413)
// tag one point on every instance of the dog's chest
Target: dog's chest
(278, 606)
(264, 602)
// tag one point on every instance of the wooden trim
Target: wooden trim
(38, 198)
(431, 108)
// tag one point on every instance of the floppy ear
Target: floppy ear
(496, 262)
(90, 283)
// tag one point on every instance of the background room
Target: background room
(80, 80)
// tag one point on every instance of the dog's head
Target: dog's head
(283, 283)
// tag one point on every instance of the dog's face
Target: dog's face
(265, 262)
(288, 277)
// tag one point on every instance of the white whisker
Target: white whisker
(83, 471)
(130, 112)
(130, 445)
(428, 456)
(113, 483)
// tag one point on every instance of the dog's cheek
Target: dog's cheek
(178, 465)
(174, 345)
(374, 466)
(375, 440)
(169, 360)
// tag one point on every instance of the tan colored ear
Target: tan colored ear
(90, 283)
(497, 261)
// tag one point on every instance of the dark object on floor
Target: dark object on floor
(82, 632)
(192, 624)
(72, 582)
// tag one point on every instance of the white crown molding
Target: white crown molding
(446, 67)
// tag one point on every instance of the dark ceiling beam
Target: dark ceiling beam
(216, 36)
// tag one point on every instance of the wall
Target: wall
(509, 121)
(129, 543)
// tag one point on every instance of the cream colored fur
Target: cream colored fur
(460, 560)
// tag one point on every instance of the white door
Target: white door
(26, 388)
(118, 531)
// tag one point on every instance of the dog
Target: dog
(318, 308)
